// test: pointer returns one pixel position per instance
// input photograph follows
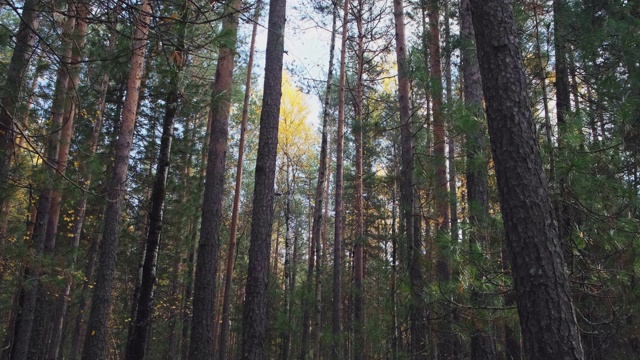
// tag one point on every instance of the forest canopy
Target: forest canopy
(355, 179)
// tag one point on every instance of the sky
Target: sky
(306, 52)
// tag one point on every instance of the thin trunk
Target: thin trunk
(96, 340)
(289, 262)
(81, 209)
(204, 295)
(177, 320)
(85, 300)
(358, 256)
(417, 318)
(451, 155)
(255, 320)
(140, 329)
(395, 338)
(563, 92)
(339, 189)
(563, 107)
(318, 220)
(228, 280)
(447, 344)
(574, 79)
(542, 77)
(78, 41)
(187, 318)
(543, 295)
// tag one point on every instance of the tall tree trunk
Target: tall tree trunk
(339, 189)
(289, 261)
(417, 318)
(188, 293)
(81, 209)
(10, 94)
(228, 279)
(78, 41)
(323, 244)
(85, 301)
(318, 220)
(563, 93)
(447, 344)
(204, 295)
(451, 153)
(541, 74)
(358, 256)
(563, 107)
(482, 344)
(31, 329)
(139, 332)
(395, 333)
(95, 346)
(255, 321)
(543, 294)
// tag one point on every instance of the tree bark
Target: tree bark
(563, 107)
(417, 318)
(451, 140)
(31, 328)
(78, 41)
(95, 346)
(358, 256)
(336, 313)
(81, 209)
(289, 259)
(318, 219)
(204, 295)
(255, 322)
(10, 93)
(482, 345)
(228, 280)
(140, 329)
(543, 294)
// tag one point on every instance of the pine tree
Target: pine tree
(255, 322)
(543, 296)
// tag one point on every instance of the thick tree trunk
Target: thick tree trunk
(543, 294)
(31, 329)
(95, 346)
(482, 344)
(140, 329)
(10, 94)
(204, 295)
(255, 321)
(417, 318)
(228, 280)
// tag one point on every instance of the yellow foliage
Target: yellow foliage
(296, 138)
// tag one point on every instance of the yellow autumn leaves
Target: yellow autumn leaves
(297, 140)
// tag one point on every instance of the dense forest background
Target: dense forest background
(468, 190)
